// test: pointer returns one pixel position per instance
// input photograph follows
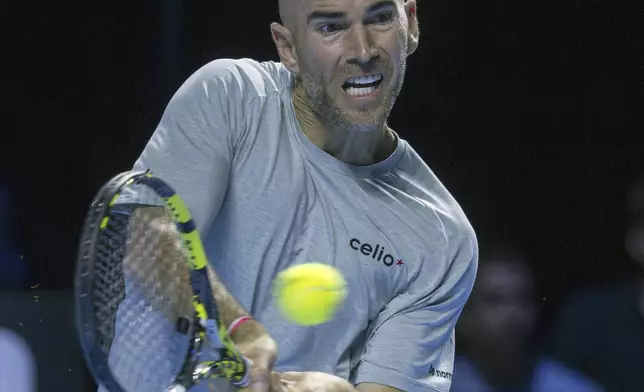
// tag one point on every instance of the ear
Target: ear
(283, 39)
(411, 9)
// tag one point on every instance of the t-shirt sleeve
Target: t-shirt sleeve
(192, 148)
(411, 344)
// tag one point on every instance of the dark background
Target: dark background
(531, 112)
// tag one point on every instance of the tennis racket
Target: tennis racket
(145, 314)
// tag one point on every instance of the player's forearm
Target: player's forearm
(154, 220)
(228, 307)
(372, 387)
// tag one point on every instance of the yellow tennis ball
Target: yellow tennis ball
(310, 294)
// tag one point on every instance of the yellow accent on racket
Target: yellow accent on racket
(179, 209)
(116, 196)
(194, 247)
(201, 310)
(104, 222)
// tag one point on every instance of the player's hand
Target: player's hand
(314, 382)
(253, 341)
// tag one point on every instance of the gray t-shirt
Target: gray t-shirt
(265, 198)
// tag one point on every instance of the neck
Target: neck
(359, 148)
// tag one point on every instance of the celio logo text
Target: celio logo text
(377, 253)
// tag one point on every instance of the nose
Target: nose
(359, 45)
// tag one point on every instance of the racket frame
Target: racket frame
(231, 363)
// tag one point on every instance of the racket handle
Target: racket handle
(245, 381)
(209, 370)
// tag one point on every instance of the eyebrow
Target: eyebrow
(324, 15)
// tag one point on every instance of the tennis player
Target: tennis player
(291, 162)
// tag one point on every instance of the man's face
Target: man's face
(635, 231)
(502, 304)
(351, 56)
(635, 239)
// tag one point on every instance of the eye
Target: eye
(383, 17)
(329, 28)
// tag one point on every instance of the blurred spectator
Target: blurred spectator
(17, 365)
(497, 330)
(600, 331)
(38, 338)
(12, 267)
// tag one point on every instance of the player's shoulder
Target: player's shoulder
(434, 193)
(441, 206)
(244, 76)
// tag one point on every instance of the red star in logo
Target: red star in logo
(399, 262)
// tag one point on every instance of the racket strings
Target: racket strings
(109, 285)
(156, 262)
(141, 287)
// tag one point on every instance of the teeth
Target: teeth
(358, 92)
(364, 79)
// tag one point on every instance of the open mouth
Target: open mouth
(363, 85)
